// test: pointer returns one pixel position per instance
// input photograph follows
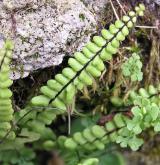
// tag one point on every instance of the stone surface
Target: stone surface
(44, 31)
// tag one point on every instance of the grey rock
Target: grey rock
(44, 31)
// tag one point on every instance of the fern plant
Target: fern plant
(31, 124)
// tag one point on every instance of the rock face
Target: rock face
(44, 31)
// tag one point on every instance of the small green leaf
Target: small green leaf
(154, 111)
(135, 143)
(148, 118)
(130, 125)
(157, 127)
(139, 76)
(124, 132)
(145, 102)
(123, 144)
(126, 72)
(138, 101)
(119, 139)
(134, 77)
(137, 129)
(136, 111)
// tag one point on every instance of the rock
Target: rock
(45, 31)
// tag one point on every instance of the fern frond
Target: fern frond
(96, 137)
(87, 64)
(6, 110)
